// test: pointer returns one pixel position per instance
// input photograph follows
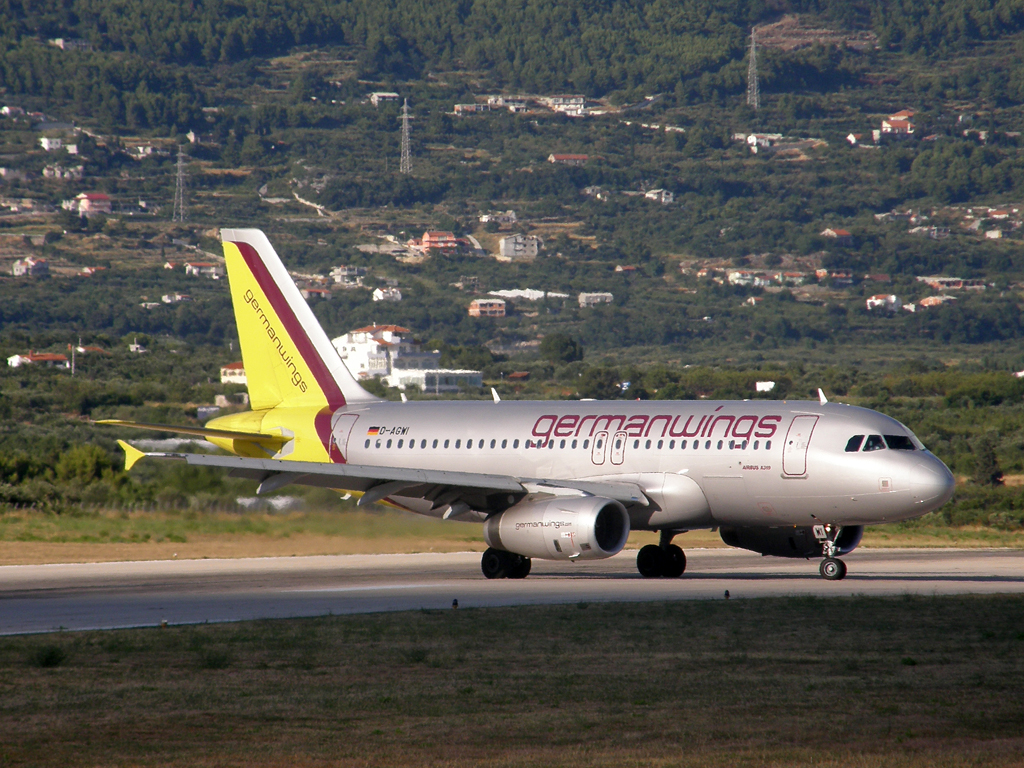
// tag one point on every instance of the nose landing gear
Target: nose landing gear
(662, 559)
(831, 568)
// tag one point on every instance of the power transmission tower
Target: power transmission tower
(406, 164)
(753, 92)
(179, 189)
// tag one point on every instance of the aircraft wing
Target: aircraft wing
(442, 487)
(204, 432)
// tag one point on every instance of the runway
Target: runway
(44, 598)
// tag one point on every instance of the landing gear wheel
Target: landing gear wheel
(520, 568)
(675, 562)
(495, 563)
(832, 569)
(651, 561)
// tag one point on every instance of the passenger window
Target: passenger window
(719, 445)
(469, 445)
(561, 444)
(446, 443)
(586, 444)
(412, 443)
(743, 445)
(732, 444)
(853, 444)
(367, 443)
(647, 445)
(660, 443)
(573, 443)
(600, 444)
(874, 443)
(378, 444)
(671, 444)
(504, 443)
(682, 445)
(423, 443)
(458, 443)
(401, 443)
(899, 443)
(636, 444)
(493, 443)
(768, 445)
(757, 444)
(434, 444)
(707, 445)
(551, 445)
(515, 443)
(389, 444)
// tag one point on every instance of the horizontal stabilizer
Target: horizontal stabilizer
(226, 434)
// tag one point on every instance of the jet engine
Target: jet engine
(789, 542)
(577, 528)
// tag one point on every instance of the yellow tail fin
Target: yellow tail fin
(287, 356)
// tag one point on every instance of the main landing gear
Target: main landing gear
(499, 564)
(662, 559)
(831, 568)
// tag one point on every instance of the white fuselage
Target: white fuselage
(701, 463)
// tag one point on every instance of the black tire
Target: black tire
(675, 562)
(520, 568)
(651, 561)
(495, 563)
(832, 569)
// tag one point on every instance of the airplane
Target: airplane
(555, 480)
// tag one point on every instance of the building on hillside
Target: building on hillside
(897, 127)
(440, 241)
(137, 348)
(574, 105)
(90, 271)
(748, 278)
(175, 298)
(469, 109)
(487, 308)
(316, 293)
(348, 276)
(903, 114)
(520, 246)
(387, 294)
(662, 196)
(70, 44)
(378, 350)
(383, 97)
(593, 299)
(60, 172)
(886, 302)
(233, 373)
(47, 359)
(87, 350)
(568, 159)
(89, 204)
(508, 217)
(30, 266)
(51, 144)
(942, 283)
(204, 269)
(841, 236)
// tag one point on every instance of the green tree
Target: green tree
(600, 384)
(986, 464)
(561, 348)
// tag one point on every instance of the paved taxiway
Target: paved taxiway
(41, 598)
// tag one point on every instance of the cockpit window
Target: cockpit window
(874, 443)
(899, 443)
(854, 443)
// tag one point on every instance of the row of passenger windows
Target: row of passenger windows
(879, 443)
(551, 444)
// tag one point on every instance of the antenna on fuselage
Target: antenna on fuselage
(821, 397)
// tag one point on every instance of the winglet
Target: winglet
(494, 394)
(131, 455)
(821, 397)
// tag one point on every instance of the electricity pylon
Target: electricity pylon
(753, 92)
(406, 164)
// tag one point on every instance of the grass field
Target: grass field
(94, 536)
(851, 682)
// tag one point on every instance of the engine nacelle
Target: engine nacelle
(577, 528)
(789, 542)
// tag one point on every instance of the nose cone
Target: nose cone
(931, 484)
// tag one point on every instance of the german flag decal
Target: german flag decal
(372, 431)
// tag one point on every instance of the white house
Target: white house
(887, 302)
(520, 246)
(30, 267)
(593, 299)
(379, 350)
(204, 269)
(662, 196)
(387, 294)
(383, 97)
(47, 359)
(51, 144)
(435, 381)
(233, 373)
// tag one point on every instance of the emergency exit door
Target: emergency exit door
(798, 439)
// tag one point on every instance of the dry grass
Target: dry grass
(858, 682)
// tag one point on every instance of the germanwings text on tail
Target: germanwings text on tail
(556, 480)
